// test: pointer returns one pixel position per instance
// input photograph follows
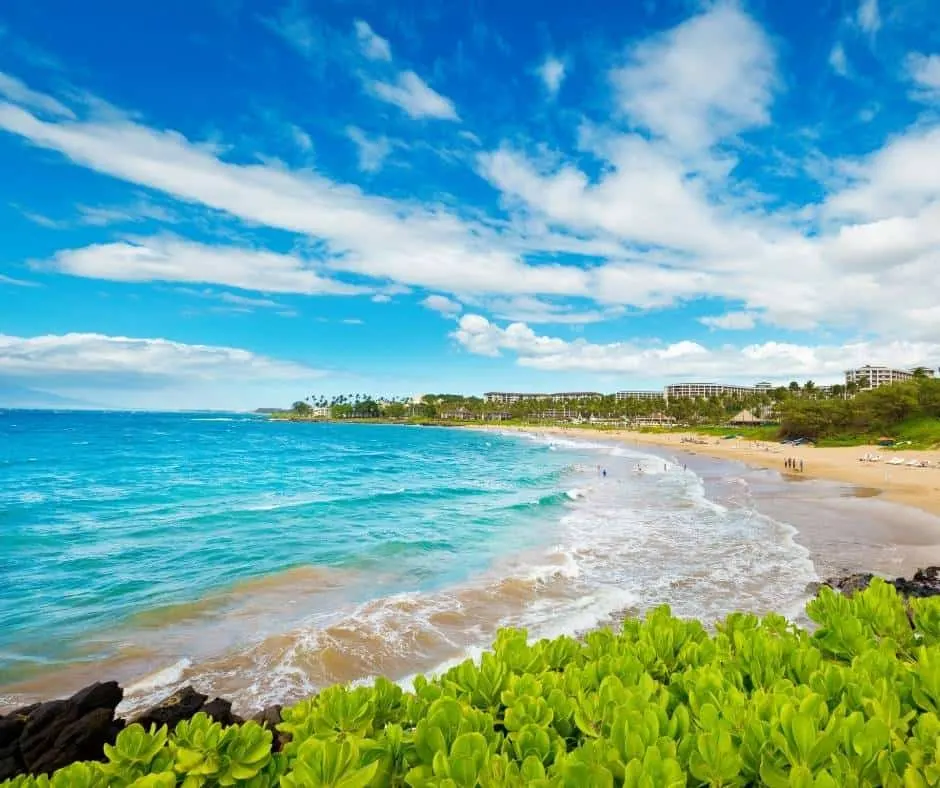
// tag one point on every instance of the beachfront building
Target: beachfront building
(871, 377)
(511, 397)
(625, 395)
(705, 390)
(656, 420)
(764, 387)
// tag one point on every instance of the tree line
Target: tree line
(805, 410)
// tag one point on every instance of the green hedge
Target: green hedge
(663, 703)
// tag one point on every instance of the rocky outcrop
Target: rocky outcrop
(44, 737)
(925, 582)
(41, 738)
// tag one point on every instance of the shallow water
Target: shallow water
(261, 561)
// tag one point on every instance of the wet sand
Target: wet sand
(851, 515)
(916, 487)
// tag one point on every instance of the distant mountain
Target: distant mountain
(13, 396)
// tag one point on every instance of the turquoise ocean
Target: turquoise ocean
(261, 560)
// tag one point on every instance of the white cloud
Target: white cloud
(770, 360)
(372, 152)
(528, 309)
(415, 96)
(236, 301)
(731, 321)
(81, 355)
(9, 280)
(838, 60)
(373, 46)
(168, 259)
(352, 321)
(709, 78)
(924, 71)
(296, 28)
(869, 17)
(443, 305)
(552, 73)
(14, 90)
(301, 138)
(381, 298)
(373, 236)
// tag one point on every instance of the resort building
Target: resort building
(764, 386)
(703, 390)
(624, 395)
(870, 377)
(511, 397)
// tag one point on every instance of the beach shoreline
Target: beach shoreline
(918, 488)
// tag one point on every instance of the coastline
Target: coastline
(918, 488)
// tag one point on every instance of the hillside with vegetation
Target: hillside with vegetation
(836, 415)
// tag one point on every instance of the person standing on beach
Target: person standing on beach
(801, 466)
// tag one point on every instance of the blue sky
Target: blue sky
(234, 204)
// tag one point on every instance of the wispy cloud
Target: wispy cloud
(552, 74)
(415, 96)
(372, 152)
(169, 259)
(924, 71)
(14, 90)
(297, 28)
(838, 60)
(731, 321)
(373, 46)
(868, 17)
(9, 280)
(80, 355)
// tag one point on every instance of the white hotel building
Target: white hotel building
(869, 377)
(703, 390)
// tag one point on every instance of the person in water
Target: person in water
(604, 472)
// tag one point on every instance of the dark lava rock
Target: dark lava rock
(181, 705)
(42, 729)
(81, 740)
(221, 711)
(100, 695)
(10, 729)
(850, 584)
(10, 767)
(925, 582)
(270, 718)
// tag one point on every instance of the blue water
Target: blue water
(261, 560)
(104, 515)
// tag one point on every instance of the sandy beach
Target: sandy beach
(916, 487)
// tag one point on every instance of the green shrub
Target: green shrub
(663, 703)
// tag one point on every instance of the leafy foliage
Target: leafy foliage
(661, 703)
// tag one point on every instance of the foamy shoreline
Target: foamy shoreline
(916, 487)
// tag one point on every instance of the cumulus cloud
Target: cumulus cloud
(769, 360)
(373, 46)
(80, 355)
(412, 94)
(710, 77)
(169, 259)
(443, 305)
(552, 74)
